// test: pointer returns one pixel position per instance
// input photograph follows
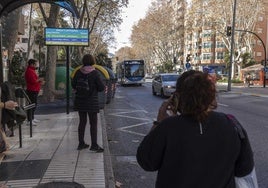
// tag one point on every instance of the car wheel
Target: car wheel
(153, 91)
(162, 93)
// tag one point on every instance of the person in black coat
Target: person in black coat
(200, 148)
(88, 105)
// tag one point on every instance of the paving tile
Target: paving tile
(50, 155)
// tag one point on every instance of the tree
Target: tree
(49, 89)
(156, 37)
(93, 16)
(10, 31)
(126, 53)
(16, 71)
(100, 17)
(217, 15)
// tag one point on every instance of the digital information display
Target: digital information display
(66, 37)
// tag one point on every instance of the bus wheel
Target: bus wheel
(153, 91)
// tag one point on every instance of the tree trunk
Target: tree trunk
(48, 95)
(10, 34)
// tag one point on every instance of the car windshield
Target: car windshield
(170, 78)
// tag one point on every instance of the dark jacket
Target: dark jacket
(187, 155)
(90, 103)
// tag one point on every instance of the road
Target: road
(130, 115)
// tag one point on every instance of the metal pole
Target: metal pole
(67, 80)
(1, 57)
(265, 56)
(264, 73)
(232, 49)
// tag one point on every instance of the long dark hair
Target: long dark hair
(88, 59)
(196, 93)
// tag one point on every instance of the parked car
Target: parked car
(164, 84)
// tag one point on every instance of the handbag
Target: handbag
(20, 114)
(250, 180)
(14, 117)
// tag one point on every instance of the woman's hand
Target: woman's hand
(168, 108)
(10, 105)
(41, 81)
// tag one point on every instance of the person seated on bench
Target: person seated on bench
(10, 105)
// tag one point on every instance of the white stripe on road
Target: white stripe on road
(123, 129)
(225, 105)
(119, 114)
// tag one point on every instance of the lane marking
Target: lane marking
(225, 105)
(120, 114)
(125, 128)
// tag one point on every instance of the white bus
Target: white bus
(130, 72)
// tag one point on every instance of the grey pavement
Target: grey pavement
(255, 90)
(50, 155)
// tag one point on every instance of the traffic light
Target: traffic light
(174, 60)
(188, 58)
(229, 31)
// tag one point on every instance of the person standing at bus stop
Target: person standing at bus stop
(33, 86)
(87, 83)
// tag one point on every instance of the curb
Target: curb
(250, 94)
(108, 168)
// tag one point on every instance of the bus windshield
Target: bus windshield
(134, 70)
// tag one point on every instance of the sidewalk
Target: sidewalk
(256, 90)
(50, 154)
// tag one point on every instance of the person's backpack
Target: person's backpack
(83, 85)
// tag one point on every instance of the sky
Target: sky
(136, 10)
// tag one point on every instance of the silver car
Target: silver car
(164, 84)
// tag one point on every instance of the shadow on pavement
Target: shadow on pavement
(60, 185)
(58, 106)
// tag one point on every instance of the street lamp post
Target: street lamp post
(1, 56)
(265, 57)
(232, 49)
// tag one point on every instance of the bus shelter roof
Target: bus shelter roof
(7, 6)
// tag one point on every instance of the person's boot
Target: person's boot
(96, 148)
(82, 146)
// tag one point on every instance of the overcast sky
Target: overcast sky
(131, 15)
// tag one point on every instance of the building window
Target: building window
(206, 56)
(24, 40)
(259, 42)
(259, 30)
(197, 58)
(220, 45)
(258, 54)
(220, 55)
(207, 33)
(260, 19)
(207, 45)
